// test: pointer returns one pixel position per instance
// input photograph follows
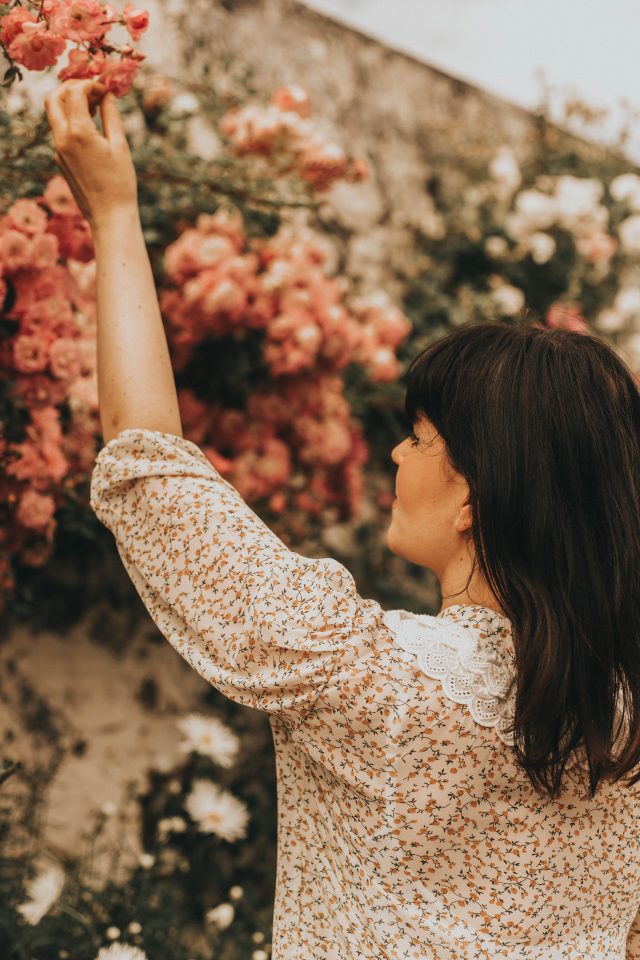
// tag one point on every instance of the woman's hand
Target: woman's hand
(98, 169)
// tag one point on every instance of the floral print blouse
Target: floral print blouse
(406, 829)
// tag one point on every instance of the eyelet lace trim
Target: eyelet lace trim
(471, 670)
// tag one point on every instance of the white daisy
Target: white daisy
(121, 951)
(217, 811)
(210, 737)
(43, 891)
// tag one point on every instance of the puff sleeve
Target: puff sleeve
(259, 622)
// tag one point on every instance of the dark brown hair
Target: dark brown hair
(544, 425)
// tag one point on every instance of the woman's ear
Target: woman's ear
(464, 518)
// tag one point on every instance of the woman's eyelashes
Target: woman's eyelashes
(414, 440)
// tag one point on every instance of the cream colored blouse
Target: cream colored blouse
(406, 829)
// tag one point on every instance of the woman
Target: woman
(447, 786)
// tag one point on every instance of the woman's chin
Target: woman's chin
(392, 539)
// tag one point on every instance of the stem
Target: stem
(71, 912)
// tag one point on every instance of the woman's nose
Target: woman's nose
(396, 454)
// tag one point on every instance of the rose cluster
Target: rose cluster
(284, 128)
(35, 35)
(582, 227)
(48, 361)
(297, 443)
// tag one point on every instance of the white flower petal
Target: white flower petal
(43, 891)
(209, 737)
(121, 951)
(217, 811)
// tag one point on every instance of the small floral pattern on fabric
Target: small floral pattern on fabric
(406, 828)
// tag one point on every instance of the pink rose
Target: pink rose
(34, 287)
(35, 510)
(80, 20)
(82, 65)
(30, 354)
(36, 48)
(44, 251)
(225, 223)
(136, 21)
(383, 365)
(37, 464)
(50, 317)
(40, 390)
(85, 391)
(74, 237)
(322, 442)
(118, 76)
(15, 250)
(27, 217)
(65, 358)
(193, 252)
(292, 99)
(322, 164)
(12, 23)
(227, 296)
(273, 467)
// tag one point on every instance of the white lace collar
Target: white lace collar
(470, 650)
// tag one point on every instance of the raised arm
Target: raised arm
(136, 386)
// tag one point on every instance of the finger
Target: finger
(112, 121)
(75, 101)
(57, 119)
(96, 95)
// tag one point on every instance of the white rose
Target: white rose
(626, 189)
(577, 197)
(184, 103)
(202, 139)
(629, 231)
(508, 300)
(627, 301)
(504, 168)
(610, 321)
(542, 247)
(221, 916)
(517, 226)
(537, 209)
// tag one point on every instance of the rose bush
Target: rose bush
(285, 435)
(36, 35)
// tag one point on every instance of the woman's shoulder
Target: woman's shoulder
(416, 632)
(469, 650)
